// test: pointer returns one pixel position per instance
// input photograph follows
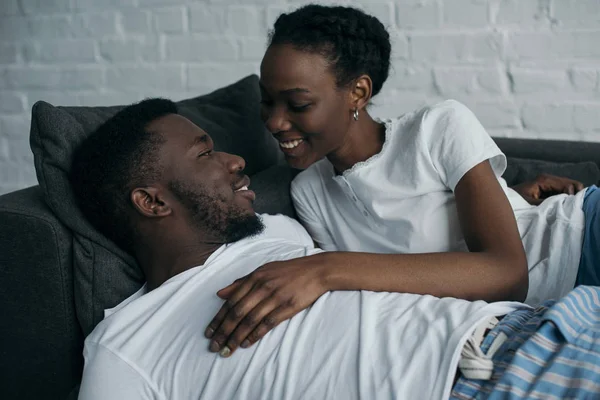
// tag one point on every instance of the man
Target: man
(150, 180)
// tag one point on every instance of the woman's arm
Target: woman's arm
(494, 269)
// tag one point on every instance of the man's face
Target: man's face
(208, 186)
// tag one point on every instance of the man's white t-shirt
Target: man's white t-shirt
(402, 201)
(348, 345)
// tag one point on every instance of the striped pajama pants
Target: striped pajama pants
(551, 352)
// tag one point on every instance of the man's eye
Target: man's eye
(206, 153)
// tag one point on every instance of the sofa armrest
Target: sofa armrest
(41, 347)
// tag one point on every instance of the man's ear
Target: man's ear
(361, 92)
(150, 202)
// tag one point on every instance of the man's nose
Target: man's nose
(234, 163)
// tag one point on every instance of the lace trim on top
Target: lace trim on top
(362, 164)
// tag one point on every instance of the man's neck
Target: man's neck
(162, 261)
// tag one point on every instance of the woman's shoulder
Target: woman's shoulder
(312, 176)
(445, 108)
(430, 121)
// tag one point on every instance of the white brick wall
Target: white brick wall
(528, 68)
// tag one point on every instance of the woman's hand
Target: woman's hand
(258, 302)
(544, 186)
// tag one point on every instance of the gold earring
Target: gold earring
(355, 115)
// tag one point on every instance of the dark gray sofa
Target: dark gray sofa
(42, 337)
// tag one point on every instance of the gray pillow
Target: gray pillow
(521, 170)
(104, 275)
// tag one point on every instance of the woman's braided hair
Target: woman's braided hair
(353, 42)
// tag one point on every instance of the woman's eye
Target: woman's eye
(299, 107)
(206, 153)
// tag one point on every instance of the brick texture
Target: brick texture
(527, 68)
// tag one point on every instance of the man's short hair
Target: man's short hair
(118, 157)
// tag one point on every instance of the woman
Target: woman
(414, 204)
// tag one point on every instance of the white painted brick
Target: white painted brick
(496, 114)
(64, 51)
(382, 11)
(208, 18)
(576, 13)
(150, 3)
(31, 78)
(526, 12)
(85, 5)
(546, 45)
(584, 79)
(400, 46)
(96, 24)
(455, 46)
(170, 20)
(587, 117)
(548, 117)
(27, 175)
(9, 173)
(533, 81)
(205, 78)
(247, 21)
(9, 7)
(88, 77)
(420, 14)
(13, 28)
(135, 49)
(252, 48)
(416, 78)
(50, 27)
(134, 21)
(454, 13)
(56, 97)
(11, 102)
(45, 6)
(392, 103)
(294, 3)
(14, 125)
(9, 53)
(274, 11)
(20, 151)
(165, 77)
(4, 153)
(206, 49)
(108, 99)
(469, 80)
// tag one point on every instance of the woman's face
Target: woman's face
(301, 104)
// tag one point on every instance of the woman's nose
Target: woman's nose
(276, 120)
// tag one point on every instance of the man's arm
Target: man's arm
(106, 376)
(544, 186)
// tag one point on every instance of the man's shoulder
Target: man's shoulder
(284, 228)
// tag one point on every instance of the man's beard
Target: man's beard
(215, 215)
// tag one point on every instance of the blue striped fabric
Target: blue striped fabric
(552, 352)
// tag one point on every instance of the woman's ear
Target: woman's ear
(150, 202)
(361, 92)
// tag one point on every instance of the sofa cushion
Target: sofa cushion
(523, 169)
(105, 275)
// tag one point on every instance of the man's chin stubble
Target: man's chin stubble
(243, 226)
